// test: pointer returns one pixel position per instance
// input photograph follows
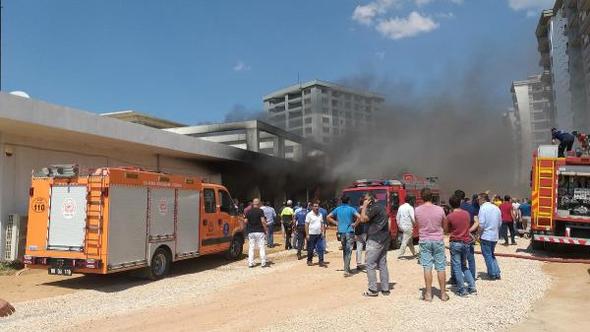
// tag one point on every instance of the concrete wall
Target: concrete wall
(19, 155)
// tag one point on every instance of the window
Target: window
(227, 205)
(308, 130)
(307, 120)
(325, 120)
(326, 130)
(209, 199)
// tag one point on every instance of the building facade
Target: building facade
(532, 103)
(552, 45)
(563, 36)
(321, 110)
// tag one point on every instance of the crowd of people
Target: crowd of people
(467, 221)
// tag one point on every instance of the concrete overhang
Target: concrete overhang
(29, 117)
(244, 125)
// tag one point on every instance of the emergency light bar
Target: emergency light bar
(367, 183)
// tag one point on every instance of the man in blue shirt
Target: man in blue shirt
(346, 218)
(300, 215)
(525, 212)
(566, 141)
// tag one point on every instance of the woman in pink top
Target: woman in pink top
(432, 223)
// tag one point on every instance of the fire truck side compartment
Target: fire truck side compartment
(127, 226)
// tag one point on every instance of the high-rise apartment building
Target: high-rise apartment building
(552, 45)
(563, 36)
(532, 100)
(322, 110)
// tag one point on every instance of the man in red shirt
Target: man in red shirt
(507, 220)
(459, 227)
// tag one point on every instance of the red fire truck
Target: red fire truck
(391, 193)
(560, 198)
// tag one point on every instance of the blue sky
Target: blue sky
(195, 61)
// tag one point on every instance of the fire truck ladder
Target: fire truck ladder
(94, 214)
(546, 192)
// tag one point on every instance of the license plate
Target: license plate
(60, 271)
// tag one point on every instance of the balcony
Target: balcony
(543, 46)
(545, 60)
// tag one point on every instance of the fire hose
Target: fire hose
(542, 259)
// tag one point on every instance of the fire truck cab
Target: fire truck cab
(118, 219)
(560, 198)
(390, 194)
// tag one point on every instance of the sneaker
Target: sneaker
(513, 243)
(309, 263)
(322, 264)
(265, 265)
(472, 291)
(250, 266)
(462, 294)
(347, 274)
(359, 268)
(386, 292)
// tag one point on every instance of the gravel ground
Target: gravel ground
(498, 305)
(61, 312)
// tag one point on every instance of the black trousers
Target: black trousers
(288, 230)
(506, 226)
(564, 146)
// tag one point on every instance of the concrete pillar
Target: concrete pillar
(252, 139)
(278, 147)
(297, 152)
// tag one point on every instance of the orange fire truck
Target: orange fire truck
(117, 219)
(560, 198)
(391, 194)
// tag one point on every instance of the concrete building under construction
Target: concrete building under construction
(35, 134)
(322, 110)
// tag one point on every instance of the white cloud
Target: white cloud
(425, 2)
(449, 15)
(241, 66)
(403, 27)
(530, 4)
(367, 13)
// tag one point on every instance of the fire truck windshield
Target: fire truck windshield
(356, 195)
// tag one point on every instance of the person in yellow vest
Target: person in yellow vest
(497, 200)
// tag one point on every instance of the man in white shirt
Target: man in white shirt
(405, 222)
(270, 214)
(490, 220)
(314, 228)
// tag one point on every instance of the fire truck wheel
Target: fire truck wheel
(160, 264)
(236, 248)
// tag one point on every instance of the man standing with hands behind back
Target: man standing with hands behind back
(377, 245)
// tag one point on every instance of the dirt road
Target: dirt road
(210, 294)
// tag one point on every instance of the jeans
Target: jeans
(347, 241)
(288, 227)
(487, 250)
(377, 259)
(471, 259)
(504, 231)
(315, 240)
(300, 239)
(257, 239)
(270, 235)
(407, 241)
(361, 241)
(459, 253)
